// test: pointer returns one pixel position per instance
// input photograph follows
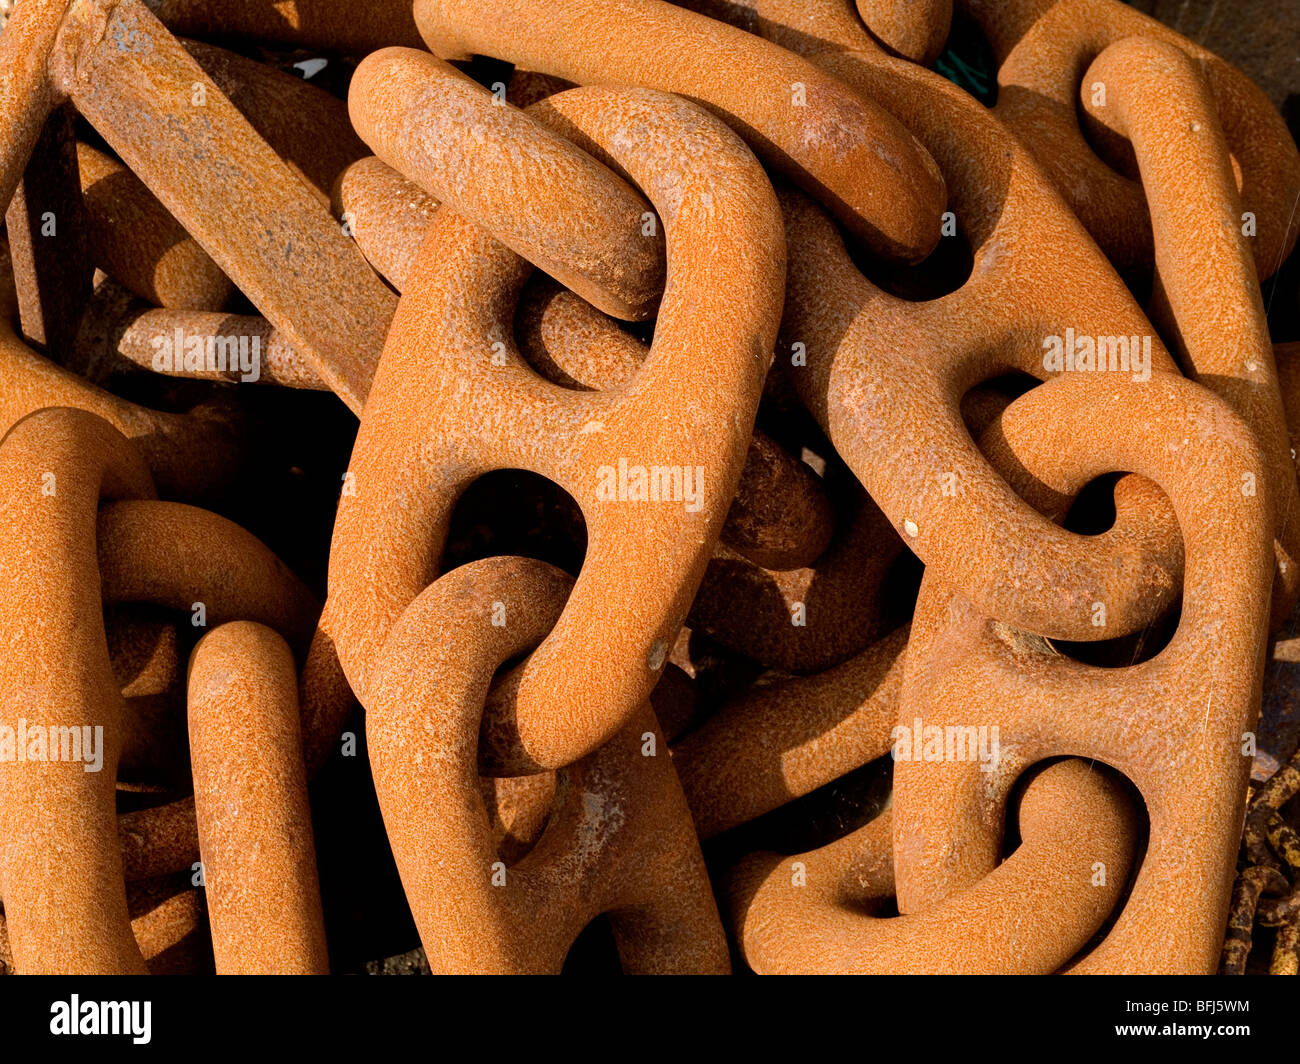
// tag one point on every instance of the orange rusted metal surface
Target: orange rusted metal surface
(308, 128)
(63, 915)
(878, 181)
(254, 825)
(1027, 917)
(736, 464)
(55, 495)
(250, 348)
(387, 214)
(136, 242)
(1150, 721)
(46, 226)
(783, 740)
(1207, 297)
(952, 509)
(915, 31)
(1041, 46)
(405, 487)
(619, 838)
(780, 517)
(114, 60)
(319, 23)
(190, 454)
(436, 126)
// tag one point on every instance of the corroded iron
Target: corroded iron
(254, 825)
(619, 838)
(1150, 721)
(879, 182)
(685, 340)
(1041, 46)
(578, 222)
(867, 357)
(52, 496)
(115, 61)
(703, 182)
(1028, 916)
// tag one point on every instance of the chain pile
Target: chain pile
(677, 335)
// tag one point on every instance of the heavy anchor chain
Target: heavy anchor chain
(770, 325)
(70, 915)
(675, 414)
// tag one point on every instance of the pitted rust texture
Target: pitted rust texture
(63, 915)
(1206, 293)
(610, 588)
(943, 497)
(308, 128)
(135, 239)
(1028, 916)
(51, 262)
(387, 213)
(443, 131)
(913, 29)
(1042, 48)
(140, 245)
(783, 740)
(52, 498)
(191, 567)
(27, 96)
(190, 455)
(780, 516)
(115, 60)
(947, 495)
(878, 181)
(1151, 721)
(254, 825)
(619, 838)
(137, 334)
(676, 413)
(321, 23)
(842, 596)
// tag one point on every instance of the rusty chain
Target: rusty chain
(746, 416)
